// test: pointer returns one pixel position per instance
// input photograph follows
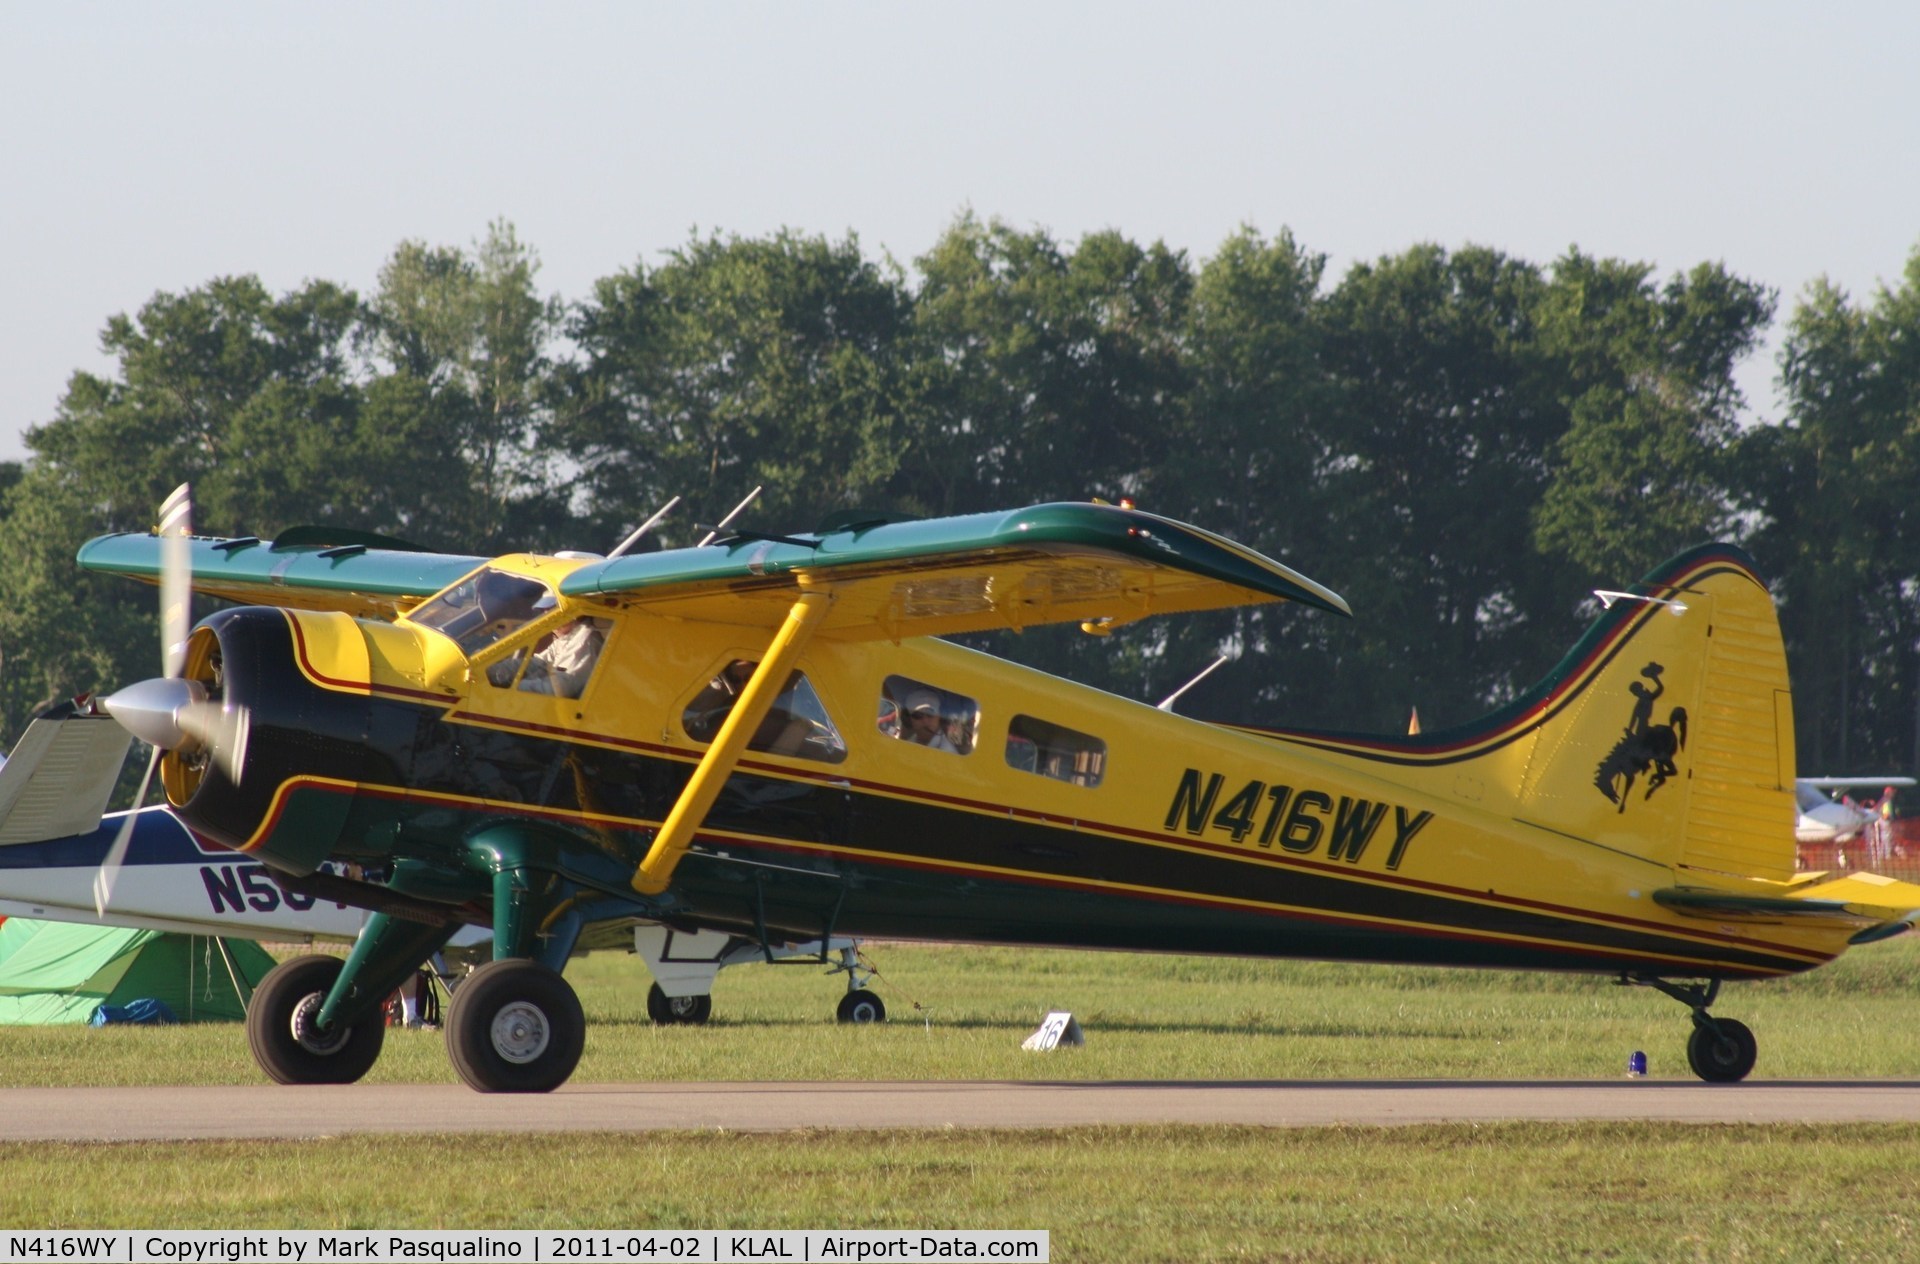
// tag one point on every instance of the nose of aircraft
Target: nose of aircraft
(152, 709)
(176, 713)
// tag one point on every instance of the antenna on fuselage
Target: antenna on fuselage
(1607, 597)
(1166, 704)
(643, 528)
(727, 521)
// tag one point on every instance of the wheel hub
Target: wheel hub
(520, 1032)
(306, 1028)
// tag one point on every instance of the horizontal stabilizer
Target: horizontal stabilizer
(1881, 907)
(1893, 904)
(59, 777)
(1704, 902)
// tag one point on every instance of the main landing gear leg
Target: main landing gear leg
(514, 1025)
(317, 1020)
(1720, 1050)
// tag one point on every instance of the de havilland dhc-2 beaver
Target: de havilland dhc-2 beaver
(765, 737)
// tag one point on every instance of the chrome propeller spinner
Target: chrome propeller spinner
(174, 713)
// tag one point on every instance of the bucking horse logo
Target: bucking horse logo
(1645, 747)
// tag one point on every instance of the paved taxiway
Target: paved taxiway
(134, 1114)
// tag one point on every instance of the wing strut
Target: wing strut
(690, 810)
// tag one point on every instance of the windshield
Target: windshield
(484, 607)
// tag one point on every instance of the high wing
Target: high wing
(293, 571)
(1096, 564)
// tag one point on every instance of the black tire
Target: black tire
(669, 1011)
(861, 1006)
(515, 1027)
(1723, 1057)
(280, 1027)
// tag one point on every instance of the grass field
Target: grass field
(1503, 1192)
(1146, 1017)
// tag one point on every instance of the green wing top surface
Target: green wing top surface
(1089, 563)
(373, 583)
(1044, 564)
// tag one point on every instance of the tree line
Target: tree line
(1463, 443)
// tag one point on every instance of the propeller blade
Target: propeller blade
(171, 711)
(176, 578)
(116, 854)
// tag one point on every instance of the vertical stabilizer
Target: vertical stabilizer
(1668, 731)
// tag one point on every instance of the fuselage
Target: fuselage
(1050, 813)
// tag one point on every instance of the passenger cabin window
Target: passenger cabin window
(926, 715)
(1052, 750)
(797, 724)
(483, 608)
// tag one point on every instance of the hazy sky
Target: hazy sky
(155, 147)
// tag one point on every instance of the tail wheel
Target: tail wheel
(515, 1027)
(288, 1043)
(669, 1011)
(861, 1006)
(1722, 1056)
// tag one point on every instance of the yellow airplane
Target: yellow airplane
(764, 737)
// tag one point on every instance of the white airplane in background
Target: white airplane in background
(1825, 819)
(55, 833)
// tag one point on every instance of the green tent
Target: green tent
(58, 972)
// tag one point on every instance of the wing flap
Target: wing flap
(1045, 564)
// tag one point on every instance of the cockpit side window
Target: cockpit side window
(558, 664)
(564, 658)
(797, 724)
(484, 608)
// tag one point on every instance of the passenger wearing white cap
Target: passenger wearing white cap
(924, 722)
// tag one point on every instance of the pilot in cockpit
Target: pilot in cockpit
(564, 658)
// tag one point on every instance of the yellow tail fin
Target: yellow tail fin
(1668, 731)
